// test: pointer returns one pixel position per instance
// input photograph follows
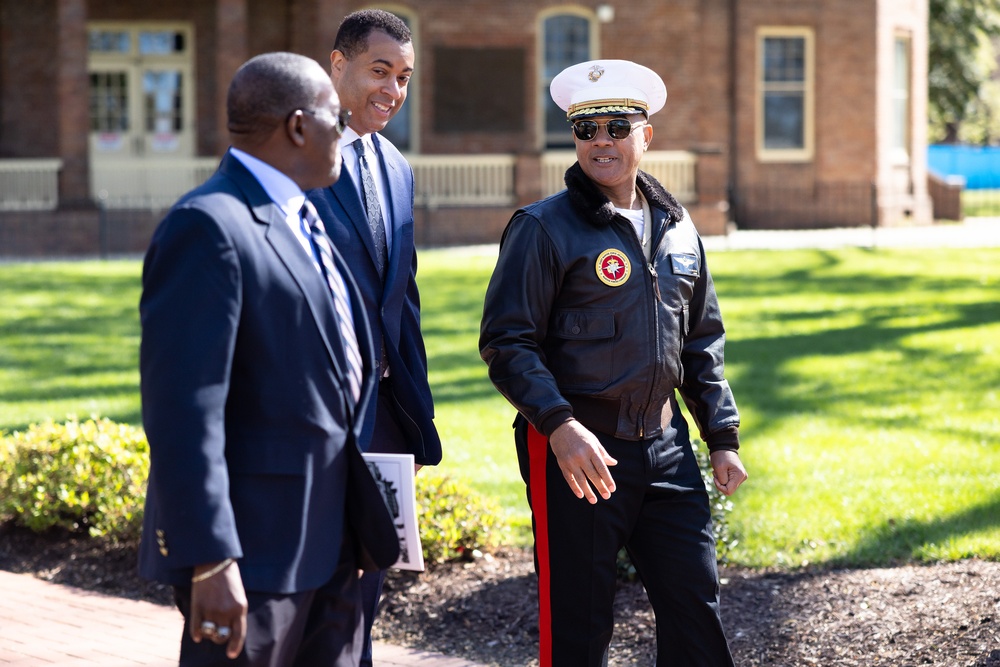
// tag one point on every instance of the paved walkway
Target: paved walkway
(975, 232)
(45, 624)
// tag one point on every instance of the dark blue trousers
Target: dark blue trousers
(317, 628)
(660, 513)
(388, 438)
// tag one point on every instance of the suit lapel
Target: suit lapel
(314, 289)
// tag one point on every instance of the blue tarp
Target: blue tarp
(978, 165)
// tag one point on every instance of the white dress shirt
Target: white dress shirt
(284, 192)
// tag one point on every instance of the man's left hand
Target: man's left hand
(728, 471)
(218, 603)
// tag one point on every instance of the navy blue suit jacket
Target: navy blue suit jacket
(394, 310)
(253, 439)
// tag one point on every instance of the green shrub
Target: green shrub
(455, 521)
(88, 476)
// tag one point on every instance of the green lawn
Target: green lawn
(981, 203)
(868, 381)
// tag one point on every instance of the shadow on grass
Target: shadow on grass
(900, 542)
(69, 341)
(772, 387)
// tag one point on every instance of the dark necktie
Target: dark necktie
(345, 322)
(375, 223)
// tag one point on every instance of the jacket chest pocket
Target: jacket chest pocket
(580, 349)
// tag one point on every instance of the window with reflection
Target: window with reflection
(162, 92)
(109, 102)
(566, 40)
(109, 41)
(161, 42)
(399, 130)
(785, 85)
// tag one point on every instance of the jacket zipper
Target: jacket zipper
(656, 290)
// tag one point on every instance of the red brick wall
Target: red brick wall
(28, 94)
(705, 50)
(31, 235)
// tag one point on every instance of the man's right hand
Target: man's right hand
(583, 460)
(219, 602)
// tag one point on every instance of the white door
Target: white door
(141, 104)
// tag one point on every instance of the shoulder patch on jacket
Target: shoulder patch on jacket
(684, 265)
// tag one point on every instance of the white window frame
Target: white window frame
(806, 152)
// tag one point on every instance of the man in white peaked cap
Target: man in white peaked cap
(600, 311)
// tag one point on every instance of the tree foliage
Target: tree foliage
(961, 60)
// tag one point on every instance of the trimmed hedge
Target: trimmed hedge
(455, 521)
(88, 476)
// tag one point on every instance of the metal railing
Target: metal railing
(675, 170)
(147, 184)
(29, 184)
(463, 180)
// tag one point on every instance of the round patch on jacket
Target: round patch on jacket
(613, 267)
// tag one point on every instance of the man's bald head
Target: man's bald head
(266, 89)
(284, 111)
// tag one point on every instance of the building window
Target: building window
(567, 39)
(108, 102)
(901, 101)
(785, 84)
(141, 95)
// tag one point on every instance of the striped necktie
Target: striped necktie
(338, 289)
(375, 222)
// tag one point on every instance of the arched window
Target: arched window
(567, 38)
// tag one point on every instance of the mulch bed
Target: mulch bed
(945, 615)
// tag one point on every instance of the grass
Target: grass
(867, 381)
(69, 342)
(981, 203)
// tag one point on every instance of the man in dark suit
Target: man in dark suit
(257, 364)
(369, 215)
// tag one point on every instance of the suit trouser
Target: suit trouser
(660, 513)
(388, 438)
(315, 628)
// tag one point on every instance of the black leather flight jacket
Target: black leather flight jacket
(577, 324)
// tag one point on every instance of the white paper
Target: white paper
(394, 476)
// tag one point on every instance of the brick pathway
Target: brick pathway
(49, 624)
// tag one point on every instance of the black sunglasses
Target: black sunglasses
(618, 128)
(341, 120)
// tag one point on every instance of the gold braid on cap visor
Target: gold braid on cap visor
(596, 107)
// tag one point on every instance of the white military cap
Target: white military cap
(608, 87)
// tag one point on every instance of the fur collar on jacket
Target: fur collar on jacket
(594, 206)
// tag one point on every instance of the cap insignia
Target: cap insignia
(596, 72)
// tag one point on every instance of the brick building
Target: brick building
(781, 113)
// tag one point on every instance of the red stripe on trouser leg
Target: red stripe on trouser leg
(538, 450)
